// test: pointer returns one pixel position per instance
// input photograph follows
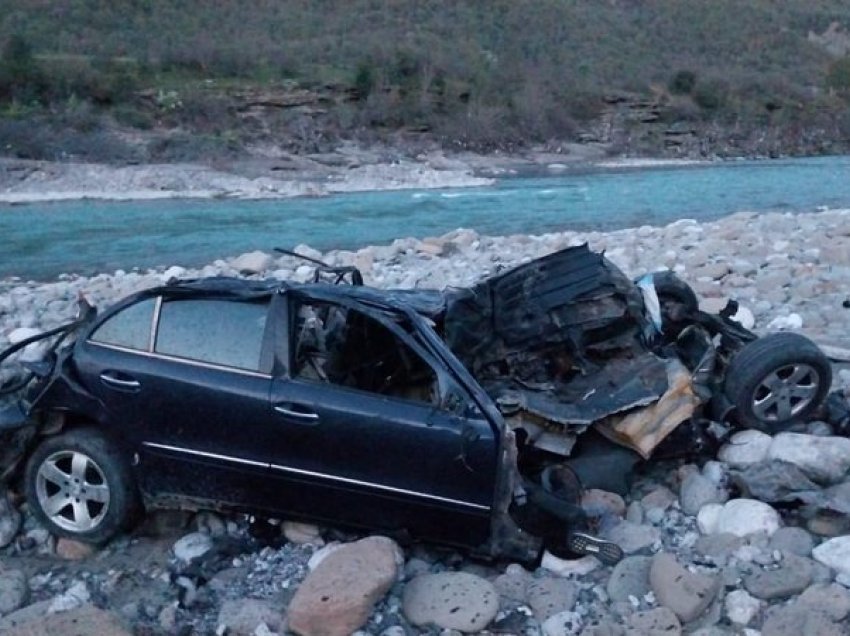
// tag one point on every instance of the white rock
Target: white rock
(253, 262)
(743, 517)
(569, 567)
(192, 546)
(741, 608)
(745, 317)
(303, 272)
(835, 554)
(791, 321)
(745, 448)
(175, 271)
(309, 252)
(824, 459)
(76, 596)
(715, 471)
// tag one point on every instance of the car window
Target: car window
(349, 348)
(130, 327)
(223, 332)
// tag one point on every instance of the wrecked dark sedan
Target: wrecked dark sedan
(469, 417)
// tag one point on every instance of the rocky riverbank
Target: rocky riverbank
(703, 554)
(268, 173)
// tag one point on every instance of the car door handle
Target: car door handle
(125, 383)
(303, 417)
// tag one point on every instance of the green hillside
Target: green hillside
(482, 74)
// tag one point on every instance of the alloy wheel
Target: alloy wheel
(785, 392)
(72, 491)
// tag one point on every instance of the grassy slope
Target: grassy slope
(488, 72)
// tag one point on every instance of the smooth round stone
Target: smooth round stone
(742, 517)
(451, 600)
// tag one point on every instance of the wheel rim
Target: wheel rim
(72, 491)
(785, 392)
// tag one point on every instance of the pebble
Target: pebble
(742, 517)
(741, 608)
(76, 596)
(302, 533)
(632, 537)
(655, 622)
(451, 600)
(686, 593)
(792, 539)
(697, 491)
(547, 597)
(563, 624)
(597, 503)
(830, 598)
(192, 546)
(793, 575)
(630, 578)
(798, 619)
(835, 554)
(242, 616)
(14, 590)
(745, 448)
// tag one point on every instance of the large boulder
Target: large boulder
(824, 459)
(337, 597)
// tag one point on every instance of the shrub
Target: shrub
(838, 76)
(711, 94)
(21, 78)
(364, 81)
(130, 115)
(683, 82)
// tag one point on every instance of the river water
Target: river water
(42, 240)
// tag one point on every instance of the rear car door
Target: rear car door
(365, 432)
(186, 384)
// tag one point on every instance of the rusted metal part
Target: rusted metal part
(644, 429)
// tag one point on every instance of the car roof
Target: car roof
(427, 302)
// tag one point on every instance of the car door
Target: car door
(190, 394)
(365, 434)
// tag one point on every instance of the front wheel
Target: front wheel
(777, 380)
(79, 486)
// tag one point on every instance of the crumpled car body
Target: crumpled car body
(467, 417)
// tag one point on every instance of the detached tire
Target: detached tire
(777, 380)
(80, 486)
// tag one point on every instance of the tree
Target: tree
(20, 76)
